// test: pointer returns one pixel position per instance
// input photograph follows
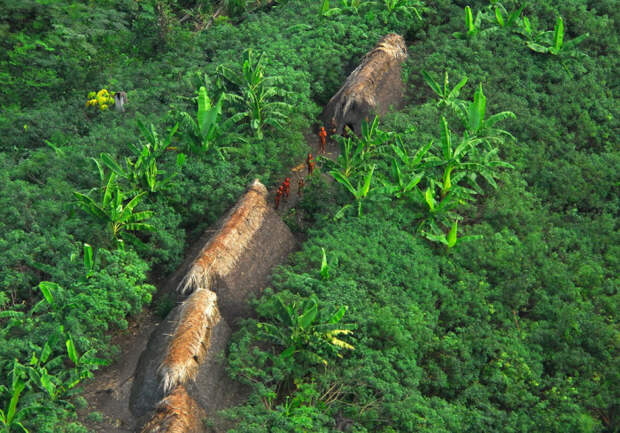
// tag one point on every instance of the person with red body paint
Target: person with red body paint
(279, 196)
(311, 164)
(287, 186)
(323, 137)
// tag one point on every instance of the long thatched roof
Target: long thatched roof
(177, 413)
(190, 342)
(220, 254)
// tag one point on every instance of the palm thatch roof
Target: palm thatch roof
(190, 342)
(236, 260)
(371, 88)
(177, 413)
(220, 254)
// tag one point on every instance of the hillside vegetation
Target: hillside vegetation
(460, 274)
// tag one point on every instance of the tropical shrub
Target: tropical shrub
(257, 92)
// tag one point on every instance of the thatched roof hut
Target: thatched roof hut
(183, 350)
(177, 413)
(371, 89)
(237, 261)
(189, 345)
(177, 350)
(167, 361)
(221, 253)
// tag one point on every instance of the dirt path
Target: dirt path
(108, 392)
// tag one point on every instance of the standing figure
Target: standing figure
(279, 196)
(323, 137)
(120, 99)
(287, 186)
(300, 187)
(310, 162)
(311, 167)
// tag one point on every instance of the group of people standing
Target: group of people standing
(285, 188)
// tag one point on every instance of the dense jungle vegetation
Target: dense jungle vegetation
(461, 273)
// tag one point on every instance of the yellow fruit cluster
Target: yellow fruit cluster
(103, 99)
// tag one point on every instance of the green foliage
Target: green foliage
(514, 332)
(142, 173)
(408, 8)
(351, 157)
(405, 177)
(447, 97)
(556, 45)
(502, 334)
(11, 417)
(453, 162)
(257, 92)
(472, 25)
(511, 19)
(451, 239)
(114, 210)
(307, 335)
(65, 322)
(327, 11)
(359, 192)
(324, 266)
(208, 131)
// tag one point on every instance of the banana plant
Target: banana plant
(447, 97)
(257, 93)
(40, 366)
(11, 417)
(413, 162)
(208, 131)
(115, 208)
(327, 11)
(83, 365)
(406, 7)
(354, 5)
(451, 239)
(451, 157)
(535, 39)
(305, 333)
(401, 186)
(352, 157)
(435, 211)
(557, 46)
(145, 168)
(406, 171)
(512, 18)
(89, 262)
(59, 384)
(465, 160)
(359, 193)
(476, 125)
(143, 172)
(324, 266)
(54, 301)
(472, 24)
(372, 136)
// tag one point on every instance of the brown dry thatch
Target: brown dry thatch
(177, 413)
(370, 88)
(221, 253)
(190, 342)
